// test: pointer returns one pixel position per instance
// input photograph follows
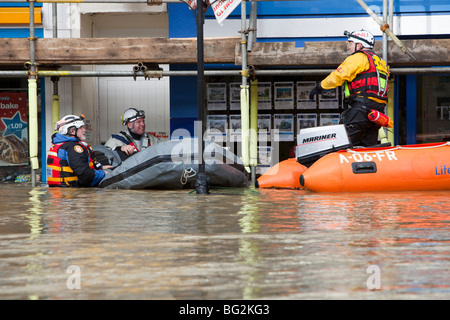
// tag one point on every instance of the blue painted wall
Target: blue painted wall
(18, 4)
(23, 31)
(20, 33)
(183, 93)
(321, 8)
(411, 109)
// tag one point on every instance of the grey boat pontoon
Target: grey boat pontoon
(173, 165)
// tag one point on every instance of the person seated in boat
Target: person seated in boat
(365, 79)
(71, 161)
(134, 139)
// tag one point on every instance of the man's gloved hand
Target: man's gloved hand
(317, 89)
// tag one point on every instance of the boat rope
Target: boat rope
(426, 147)
(186, 174)
(398, 148)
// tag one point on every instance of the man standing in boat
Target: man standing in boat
(134, 139)
(365, 79)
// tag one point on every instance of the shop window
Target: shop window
(433, 109)
(284, 108)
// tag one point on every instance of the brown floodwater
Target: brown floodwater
(232, 244)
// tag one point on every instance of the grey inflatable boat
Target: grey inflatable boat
(173, 165)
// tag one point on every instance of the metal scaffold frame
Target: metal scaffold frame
(248, 36)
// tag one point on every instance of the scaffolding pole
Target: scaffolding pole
(245, 112)
(32, 102)
(385, 37)
(201, 185)
(189, 73)
(252, 32)
(55, 80)
(386, 29)
(253, 128)
(389, 106)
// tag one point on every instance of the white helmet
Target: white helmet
(363, 36)
(68, 122)
(131, 115)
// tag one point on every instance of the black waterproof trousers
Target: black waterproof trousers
(361, 131)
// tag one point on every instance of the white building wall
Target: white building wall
(332, 27)
(85, 95)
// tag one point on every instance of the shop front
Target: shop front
(433, 108)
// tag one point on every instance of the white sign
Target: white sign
(223, 8)
(191, 3)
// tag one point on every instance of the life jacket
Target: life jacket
(127, 139)
(59, 173)
(372, 83)
(93, 163)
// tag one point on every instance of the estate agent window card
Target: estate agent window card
(264, 96)
(235, 96)
(329, 99)
(216, 127)
(264, 159)
(235, 128)
(306, 120)
(284, 124)
(284, 95)
(303, 90)
(217, 96)
(264, 127)
(328, 119)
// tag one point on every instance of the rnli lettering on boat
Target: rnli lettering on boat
(362, 156)
(320, 138)
(443, 170)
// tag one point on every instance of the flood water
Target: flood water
(232, 244)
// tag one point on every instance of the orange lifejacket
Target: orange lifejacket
(372, 83)
(93, 164)
(59, 173)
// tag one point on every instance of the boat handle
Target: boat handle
(364, 167)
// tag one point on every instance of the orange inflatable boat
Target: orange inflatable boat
(283, 175)
(400, 168)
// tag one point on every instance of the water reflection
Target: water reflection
(249, 221)
(236, 244)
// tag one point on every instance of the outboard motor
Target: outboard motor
(314, 143)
